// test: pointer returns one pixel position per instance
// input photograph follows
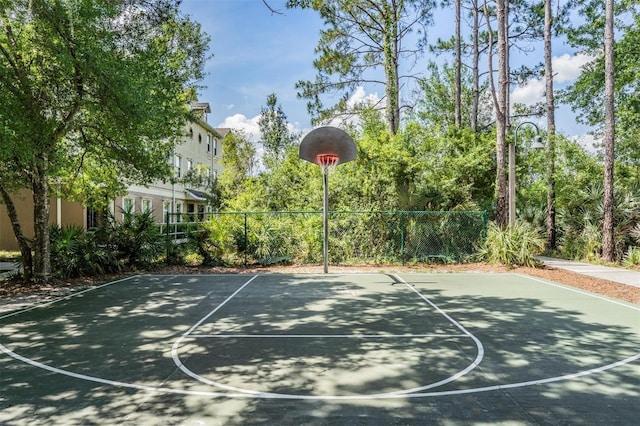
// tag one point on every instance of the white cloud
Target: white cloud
(248, 125)
(360, 97)
(588, 141)
(567, 68)
(529, 94)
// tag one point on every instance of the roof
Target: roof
(196, 195)
(223, 131)
(203, 106)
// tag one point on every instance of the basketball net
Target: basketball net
(328, 162)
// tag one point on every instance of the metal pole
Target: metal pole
(512, 181)
(325, 218)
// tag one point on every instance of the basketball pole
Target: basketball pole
(325, 218)
(327, 147)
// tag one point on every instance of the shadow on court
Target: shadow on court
(112, 353)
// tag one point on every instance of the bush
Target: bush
(213, 241)
(513, 246)
(75, 253)
(632, 257)
(137, 239)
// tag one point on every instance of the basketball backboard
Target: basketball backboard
(327, 140)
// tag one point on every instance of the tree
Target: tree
(363, 36)
(500, 96)
(239, 163)
(608, 244)
(606, 93)
(551, 128)
(274, 132)
(91, 79)
(436, 102)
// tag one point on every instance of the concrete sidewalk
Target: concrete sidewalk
(6, 268)
(619, 275)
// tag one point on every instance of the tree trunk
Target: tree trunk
(608, 245)
(551, 129)
(502, 118)
(475, 101)
(458, 83)
(23, 244)
(392, 89)
(40, 188)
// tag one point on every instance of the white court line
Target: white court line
(320, 336)
(585, 293)
(168, 390)
(466, 334)
(160, 389)
(174, 349)
(66, 297)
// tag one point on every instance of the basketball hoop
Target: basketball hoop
(327, 161)
(327, 147)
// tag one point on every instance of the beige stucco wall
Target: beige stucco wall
(71, 214)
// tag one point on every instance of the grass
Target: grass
(9, 256)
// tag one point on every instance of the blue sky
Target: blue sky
(256, 53)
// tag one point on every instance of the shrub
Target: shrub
(213, 241)
(632, 257)
(75, 253)
(137, 239)
(514, 245)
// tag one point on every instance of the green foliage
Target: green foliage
(91, 92)
(436, 99)
(586, 95)
(354, 237)
(9, 256)
(581, 219)
(276, 138)
(112, 247)
(214, 240)
(632, 256)
(76, 252)
(137, 239)
(514, 245)
(362, 37)
(274, 240)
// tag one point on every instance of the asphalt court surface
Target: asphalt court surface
(323, 349)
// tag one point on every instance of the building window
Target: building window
(208, 142)
(177, 163)
(178, 217)
(191, 209)
(146, 205)
(189, 165)
(128, 206)
(166, 211)
(215, 147)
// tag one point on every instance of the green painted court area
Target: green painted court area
(350, 349)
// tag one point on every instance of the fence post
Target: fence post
(402, 235)
(485, 223)
(167, 240)
(246, 240)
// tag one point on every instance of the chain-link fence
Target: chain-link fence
(354, 236)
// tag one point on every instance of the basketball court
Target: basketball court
(442, 348)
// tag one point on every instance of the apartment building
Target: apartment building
(197, 161)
